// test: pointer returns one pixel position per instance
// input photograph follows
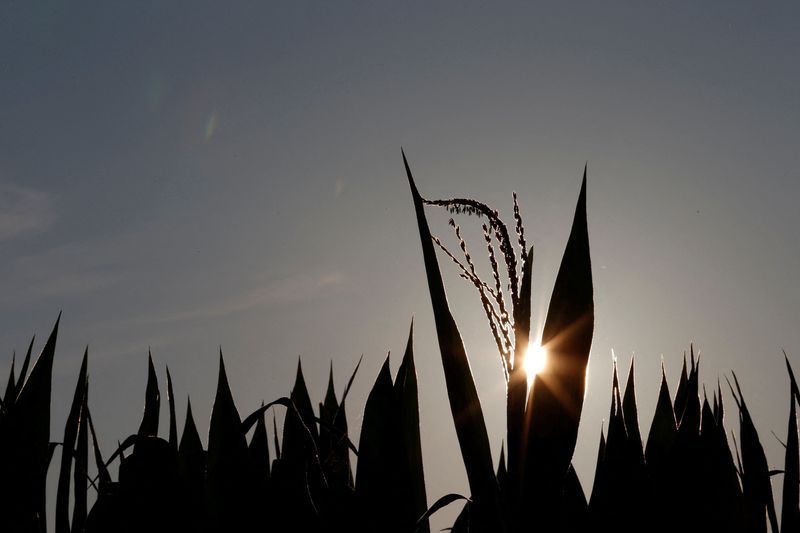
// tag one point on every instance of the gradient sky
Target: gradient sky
(186, 175)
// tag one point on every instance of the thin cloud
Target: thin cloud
(295, 289)
(338, 187)
(23, 212)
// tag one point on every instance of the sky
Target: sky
(185, 176)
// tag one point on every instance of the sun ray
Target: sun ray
(535, 360)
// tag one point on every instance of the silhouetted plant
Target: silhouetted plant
(684, 477)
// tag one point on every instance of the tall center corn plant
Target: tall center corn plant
(685, 479)
(542, 423)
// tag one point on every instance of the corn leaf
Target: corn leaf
(102, 472)
(328, 436)
(502, 471)
(275, 436)
(25, 446)
(410, 473)
(439, 504)
(70, 434)
(518, 386)
(152, 402)
(377, 450)
(790, 512)
(258, 454)
(574, 509)
(24, 371)
(465, 405)
(599, 493)
(630, 412)
(191, 472)
(298, 421)
(756, 488)
(9, 395)
(662, 429)
(682, 393)
(191, 448)
(173, 424)
(81, 471)
(556, 398)
(227, 458)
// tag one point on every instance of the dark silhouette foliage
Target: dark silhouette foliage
(682, 477)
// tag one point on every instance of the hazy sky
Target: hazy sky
(186, 175)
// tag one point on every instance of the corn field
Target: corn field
(682, 476)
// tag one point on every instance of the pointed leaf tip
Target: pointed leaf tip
(152, 401)
(409, 175)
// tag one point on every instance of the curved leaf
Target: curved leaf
(439, 504)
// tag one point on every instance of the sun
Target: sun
(535, 360)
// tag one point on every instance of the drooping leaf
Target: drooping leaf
(556, 398)
(149, 487)
(152, 402)
(441, 503)
(297, 475)
(309, 442)
(461, 391)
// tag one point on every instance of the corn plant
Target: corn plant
(171, 484)
(683, 477)
(542, 423)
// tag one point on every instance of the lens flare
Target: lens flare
(535, 360)
(211, 126)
